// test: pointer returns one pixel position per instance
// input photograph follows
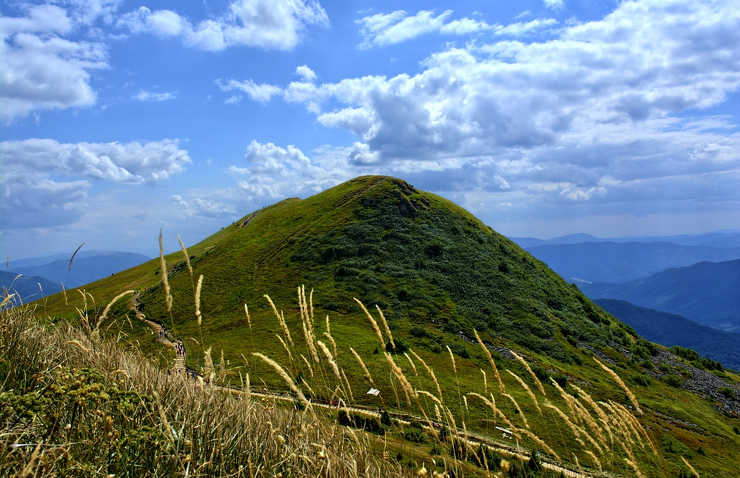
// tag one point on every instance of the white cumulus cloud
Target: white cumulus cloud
(144, 95)
(268, 24)
(42, 69)
(382, 29)
(261, 92)
(45, 182)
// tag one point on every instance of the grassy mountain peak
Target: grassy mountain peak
(439, 275)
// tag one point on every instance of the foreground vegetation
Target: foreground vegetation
(74, 404)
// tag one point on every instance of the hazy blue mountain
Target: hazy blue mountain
(670, 329)
(707, 293)
(720, 239)
(527, 242)
(723, 239)
(614, 262)
(88, 266)
(27, 286)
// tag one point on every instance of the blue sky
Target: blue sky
(541, 117)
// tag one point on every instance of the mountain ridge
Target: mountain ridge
(671, 329)
(705, 292)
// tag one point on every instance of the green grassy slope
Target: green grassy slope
(438, 273)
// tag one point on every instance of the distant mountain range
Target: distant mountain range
(29, 288)
(87, 266)
(623, 261)
(670, 329)
(721, 239)
(707, 293)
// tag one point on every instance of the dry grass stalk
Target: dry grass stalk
(596, 408)
(518, 409)
(411, 362)
(430, 395)
(485, 381)
(247, 388)
(586, 417)
(452, 359)
(285, 346)
(10, 296)
(690, 467)
(163, 272)
(566, 396)
(634, 467)
(79, 345)
(594, 459)
(104, 315)
(187, 256)
(619, 426)
(208, 361)
(246, 313)
(349, 387)
(492, 405)
(490, 360)
(374, 324)
(333, 343)
(437, 413)
(577, 432)
(622, 385)
(284, 375)
(405, 384)
(540, 442)
(531, 372)
(430, 372)
(385, 327)
(198, 289)
(308, 364)
(527, 389)
(310, 300)
(281, 320)
(636, 427)
(363, 366)
(330, 359)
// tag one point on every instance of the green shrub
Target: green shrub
(642, 380)
(673, 380)
(727, 392)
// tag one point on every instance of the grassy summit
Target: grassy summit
(438, 274)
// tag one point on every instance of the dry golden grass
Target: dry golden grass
(104, 315)
(367, 373)
(690, 467)
(205, 432)
(430, 372)
(281, 320)
(385, 327)
(527, 389)
(518, 409)
(373, 323)
(163, 272)
(622, 385)
(490, 360)
(284, 375)
(531, 372)
(198, 289)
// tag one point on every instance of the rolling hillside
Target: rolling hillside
(706, 293)
(670, 329)
(439, 275)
